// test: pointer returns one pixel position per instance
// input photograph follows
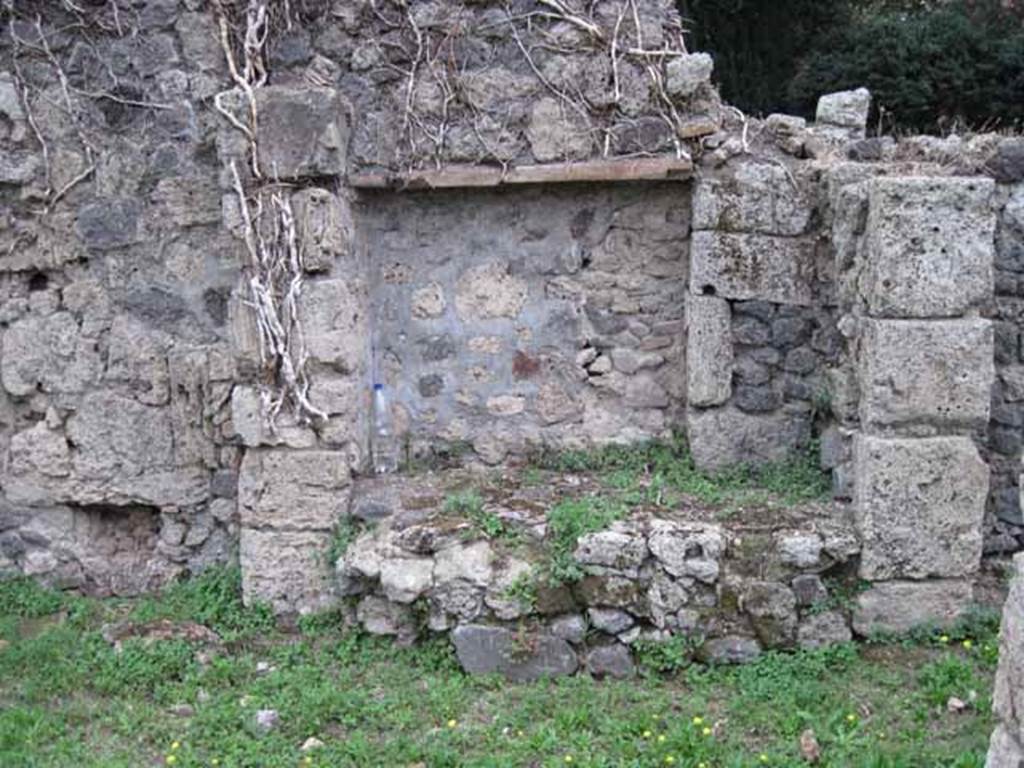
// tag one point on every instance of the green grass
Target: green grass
(470, 505)
(567, 522)
(67, 699)
(657, 472)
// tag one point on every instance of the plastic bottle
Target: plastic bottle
(384, 443)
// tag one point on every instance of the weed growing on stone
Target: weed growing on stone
(346, 531)
(567, 522)
(523, 590)
(469, 504)
(665, 657)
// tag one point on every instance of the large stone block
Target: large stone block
(845, 109)
(919, 505)
(724, 437)
(48, 354)
(286, 569)
(900, 606)
(1008, 698)
(334, 316)
(324, 226)
(298, 490)
(759, 198)
(708, 350)
(303, 132)
(929, 246)
(925, 375)
(752, 266)
(484, 650)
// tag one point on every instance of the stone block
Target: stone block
(555, 132)
(614, 661)
(286, 569)
(758, 198)
(1008, 698)
(484, 650)
(296, 490)
(323, 223)
(918, 506)
(820, 630)
(303, 132)
(685, 74)
(753, 266)
(333, 314)
(900, 606)
(925, 376)
(929, 246)
(709, 354)
(846, 109)
(725, 437)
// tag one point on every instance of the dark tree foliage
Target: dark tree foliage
(758, 44)
(931, 65)
(960, 65)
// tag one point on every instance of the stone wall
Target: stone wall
(510, 320)
(756, 284)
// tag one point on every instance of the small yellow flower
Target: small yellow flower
(851, 718)
(763, 757)
(519, 733)
(568, 758)
(706, 731)
(968, 645)
(702, 765)
(646, 734)
(669, 759)
(307, 760)
(698, 720)
(215, 761)
(175, 745)
(944, 639)
(171, 760)
(452, 723)
(661, 738)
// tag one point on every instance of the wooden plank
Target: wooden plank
(470, 176)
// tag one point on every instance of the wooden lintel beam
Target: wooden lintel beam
(468, 176)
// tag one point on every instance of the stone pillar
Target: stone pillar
(294, 481)
(1006, 750)
(924, 369)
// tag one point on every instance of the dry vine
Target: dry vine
(273, 269)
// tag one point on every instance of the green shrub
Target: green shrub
(954, 65)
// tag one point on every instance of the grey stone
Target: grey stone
(644, 392)
(286, 569)
(929, 246)
(809, 590)
(709, 352)
(1004, 749)
(484, 650)
(472, 563)
(725, 437)
(267, 720)
(572, 628)
(900, 606)
(846, 109)
(732, 649)
(772, 610)
(404, 580)
(935, 373)
(687, 73)
(919, 505)
(303, 132)
(750, 331)
(281, 488)
(109, 224)
(611, 549)
(801, 550)
(1008, 697)
(556, 132)
(1007, 164)
(692, 551)
(749, 266)
(613, 661)
(823, 629)
(382, 617)
(610, 620)
(763, 399)
(760, 197)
